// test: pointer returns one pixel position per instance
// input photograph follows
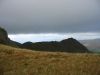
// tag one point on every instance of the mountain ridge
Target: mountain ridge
(66, 45)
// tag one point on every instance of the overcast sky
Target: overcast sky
(50, 16)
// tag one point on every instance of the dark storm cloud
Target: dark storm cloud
(50, 16)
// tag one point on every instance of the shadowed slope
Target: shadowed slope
(67, 45)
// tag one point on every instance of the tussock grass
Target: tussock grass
(14, 61)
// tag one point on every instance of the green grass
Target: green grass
(14, 61)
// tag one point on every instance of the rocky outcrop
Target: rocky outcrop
(3, 36)
(5, 40)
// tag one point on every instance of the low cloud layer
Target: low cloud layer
(53, 37)
(50, 16)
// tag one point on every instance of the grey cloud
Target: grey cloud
(50, 16)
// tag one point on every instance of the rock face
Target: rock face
(3, 36)
(5, 40)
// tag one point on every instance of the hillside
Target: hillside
(67, 45)
(14, 61)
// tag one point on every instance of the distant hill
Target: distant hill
(93, 45)
(67, 45)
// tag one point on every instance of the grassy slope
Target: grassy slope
(15, 61)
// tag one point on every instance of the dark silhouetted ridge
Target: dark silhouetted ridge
(73, 45)
(67, 45)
